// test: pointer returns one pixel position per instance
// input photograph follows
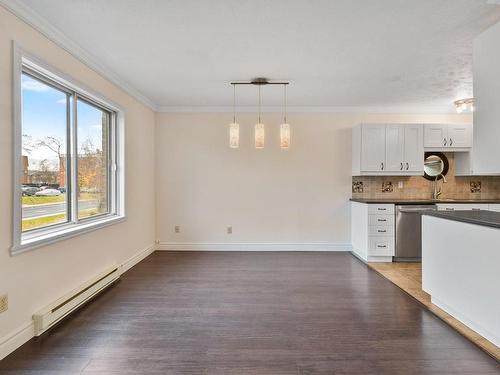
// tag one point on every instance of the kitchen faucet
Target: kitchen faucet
(437, 192)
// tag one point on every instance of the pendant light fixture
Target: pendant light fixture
(464, 105)
(285, 126)
(259, 128)
(234, 127)
(234, 132)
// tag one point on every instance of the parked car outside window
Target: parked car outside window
(30, 190)
(48, 192)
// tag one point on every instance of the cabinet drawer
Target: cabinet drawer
(462, 207)
(380, 230)
(381, 220)
(494, 207)
(381, 209)
(381, 246)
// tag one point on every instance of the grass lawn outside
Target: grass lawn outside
(43, 200)
(40, 222)
(55, 199)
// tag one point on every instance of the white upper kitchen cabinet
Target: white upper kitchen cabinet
(460, 135)
(484, 159)
(448, 137)
(435, 135)
(373, 148)
(413, 148)
(395, 149)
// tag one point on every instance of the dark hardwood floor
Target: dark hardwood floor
(251, 313)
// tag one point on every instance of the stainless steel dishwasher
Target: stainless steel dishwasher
(409, 231)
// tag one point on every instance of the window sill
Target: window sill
(36, 240)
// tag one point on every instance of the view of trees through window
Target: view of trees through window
(46, 158)
(92, 160)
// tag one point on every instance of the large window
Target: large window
(68, 158)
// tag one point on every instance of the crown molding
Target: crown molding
(311, 109)
(40, 24)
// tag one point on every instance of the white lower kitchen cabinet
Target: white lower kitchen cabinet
(372, 231)
(494, 207)
(463, 206)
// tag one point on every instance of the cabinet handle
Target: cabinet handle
(445, 142)
(382, 166)
(381, 231)
(476, 209)
(449, 209)
(401, 166)
(382, 220)
(407, 166)
(381, 246)
(451, 142)
(381, 209)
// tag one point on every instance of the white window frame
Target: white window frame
(33, 239)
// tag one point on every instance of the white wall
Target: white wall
(486, 64)
(38, 277)
(297, 196)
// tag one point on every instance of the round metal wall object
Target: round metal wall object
(435, 165)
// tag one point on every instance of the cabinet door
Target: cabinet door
(373, 148)
(394, 148)
(413, 148)
(436, 135)
(460, 135)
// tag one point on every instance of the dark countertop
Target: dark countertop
(423, 201)
(485, 218)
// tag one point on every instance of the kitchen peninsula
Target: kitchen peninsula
(460, 267)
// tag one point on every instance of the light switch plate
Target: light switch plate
(4, 303)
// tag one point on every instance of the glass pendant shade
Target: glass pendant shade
(285, 136)
(464, 105)
(234, 135)
(259, 136)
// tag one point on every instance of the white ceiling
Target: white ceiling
(182, 54)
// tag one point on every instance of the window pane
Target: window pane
(93, 149)
(44, 140)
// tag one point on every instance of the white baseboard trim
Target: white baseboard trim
(472, 324)
(136, 258)
(15, 339)
(251, 246)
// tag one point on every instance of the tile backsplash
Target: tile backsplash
(417, 187)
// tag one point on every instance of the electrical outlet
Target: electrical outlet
(400, 184)
(4, 303)
(229, 230)
(177, 229)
